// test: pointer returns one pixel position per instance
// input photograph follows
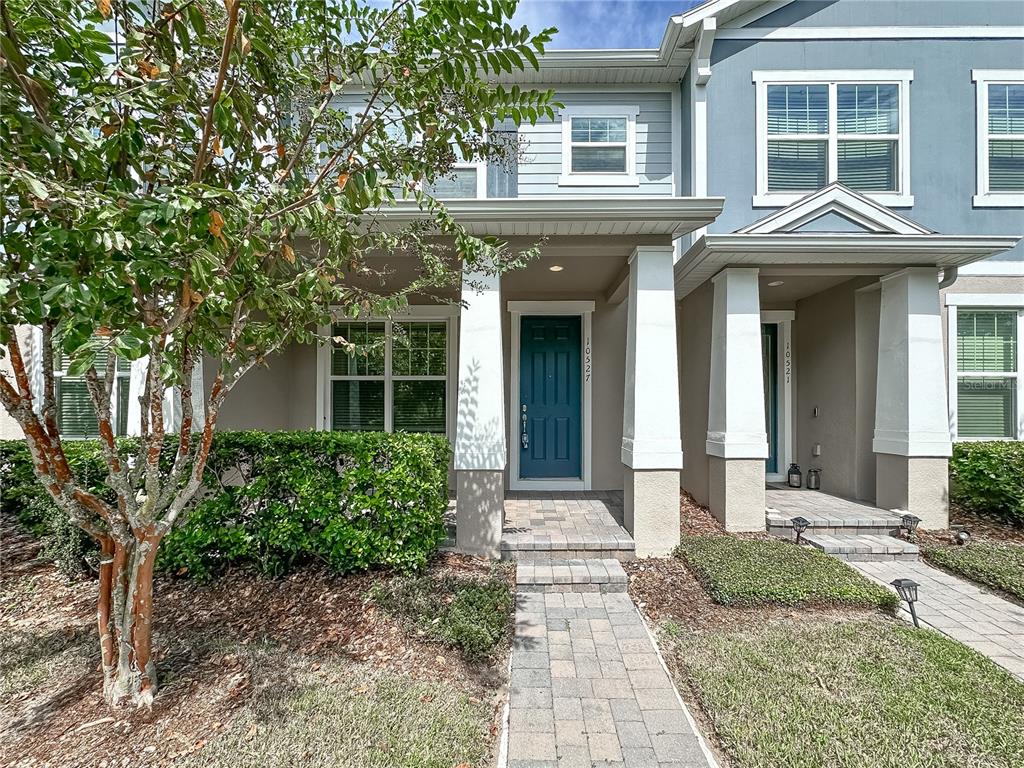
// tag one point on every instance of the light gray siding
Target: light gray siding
(542, 162)
(942, 121)
(924, 13)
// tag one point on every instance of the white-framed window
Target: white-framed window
(76, 416)
(986, 385)
(599, 146)
(1000, 139)
(390, 375)
(819, 127)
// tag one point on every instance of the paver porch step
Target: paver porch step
(879, 523)
(571, 575)
(863, 547)
(530, 545)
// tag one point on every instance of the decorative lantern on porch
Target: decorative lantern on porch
(813, 479)
(794, 477)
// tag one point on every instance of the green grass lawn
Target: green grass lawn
(867, 694)
(995, 565)
(744, 572)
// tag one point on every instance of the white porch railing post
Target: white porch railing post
(737, 443)
(480, 452)
(651, 447)
(912, 441)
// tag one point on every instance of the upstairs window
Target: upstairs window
(599, 146)
(466, 179)
(76, 416)
(1000, 155)
(820, 128)
(988, 369)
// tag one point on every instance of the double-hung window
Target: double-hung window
(599, 146)
(389, 375)
(987, 373)
(1000, 127)
(816, 128)
(466, 179)
(76, 416)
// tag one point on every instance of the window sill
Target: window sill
(999, 200)
(599, 180)
(781, 199)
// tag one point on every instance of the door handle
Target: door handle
(524, 435)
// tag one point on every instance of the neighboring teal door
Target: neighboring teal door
(770, 366)
(550, 397)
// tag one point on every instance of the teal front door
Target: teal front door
(770, 364)
(550, 397)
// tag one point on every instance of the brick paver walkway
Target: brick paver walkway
(588, 688)
(966, 612)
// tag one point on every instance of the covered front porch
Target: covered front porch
(814, 337)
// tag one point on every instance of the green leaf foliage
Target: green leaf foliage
(988, 479)
(274, 501)
(738, 571)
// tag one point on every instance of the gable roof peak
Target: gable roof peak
(841, 200)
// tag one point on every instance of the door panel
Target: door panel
(550, 397)
(770, 365)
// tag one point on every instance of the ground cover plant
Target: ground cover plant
(304, 670)
(185, 186)
(870, 693)
(759, 571)
(994, 564)
(473, 615)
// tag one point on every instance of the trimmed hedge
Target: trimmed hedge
(274, 500)
(988, 479)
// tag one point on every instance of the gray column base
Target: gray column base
(915, 484)
(651, 509)
(736, 493)
(479, 511)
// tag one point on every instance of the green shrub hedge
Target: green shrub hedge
(274, 500)
(988, 479)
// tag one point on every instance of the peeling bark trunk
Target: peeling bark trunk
(125, 621)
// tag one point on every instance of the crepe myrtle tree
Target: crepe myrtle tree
(181, 181)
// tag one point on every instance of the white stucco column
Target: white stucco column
(737, 443)
(912, 441)
(651, 448)
(480, 452)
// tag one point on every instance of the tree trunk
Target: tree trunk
(125, 620)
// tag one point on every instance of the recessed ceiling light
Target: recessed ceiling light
(556, 267)
(776, 283)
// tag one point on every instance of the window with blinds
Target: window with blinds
(987, 371)
(76, 416)
(1005, 137)
(390, 376)
(598, 144)
(818, 133)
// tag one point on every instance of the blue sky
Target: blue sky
(602, 23)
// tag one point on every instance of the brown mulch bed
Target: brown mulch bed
(980, 528)
(209, 639)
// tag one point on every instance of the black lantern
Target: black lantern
(794, 477)
(800, 525)
(907, 590)
(909, 524)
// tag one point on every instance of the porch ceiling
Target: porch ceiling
(561, 215)
(832, 251)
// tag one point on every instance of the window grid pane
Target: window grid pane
(870, 166)
(865, 108)
(986, 342)
(419, 349)
(797, 109)
(1006, 108)
(367, 359)
(797, 165)
(460, 183)
(599, 129)
(985, 407)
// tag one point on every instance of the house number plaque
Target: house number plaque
(586, 360)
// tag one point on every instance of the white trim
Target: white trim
(585, 311)
(1009, 300)
(952, 389)
(786, 375)
(759, 12)
(871, 33)
(901, 78)
(572, 178)
(702, 51)
(990, 268)
(413, 313)
(983, 197)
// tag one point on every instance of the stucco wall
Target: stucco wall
(694, 329)
(824, 340)
(9, 429)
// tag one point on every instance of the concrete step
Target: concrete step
(863, 547)
(528, 545)
(871, 523)
(571, 575)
